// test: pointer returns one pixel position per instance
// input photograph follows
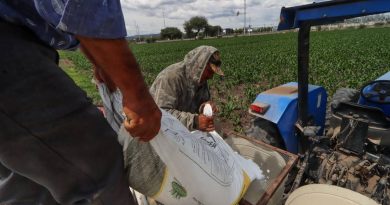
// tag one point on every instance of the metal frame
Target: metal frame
(329, 12)
(303, 72)
(303, 17)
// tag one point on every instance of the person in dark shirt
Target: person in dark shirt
(56, 147)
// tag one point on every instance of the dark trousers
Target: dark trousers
(55, 146)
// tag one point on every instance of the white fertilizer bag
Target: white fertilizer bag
(200, 168)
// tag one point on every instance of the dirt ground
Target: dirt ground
(224, 125)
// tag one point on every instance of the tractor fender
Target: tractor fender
(283, 110)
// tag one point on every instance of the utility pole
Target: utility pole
(244, 16)
(164, 16)
(137, 30)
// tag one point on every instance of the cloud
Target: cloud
(150, 15)
(152, 4)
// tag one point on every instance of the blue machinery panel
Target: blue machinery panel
(330, 12)
(374, 101)
(284, 114)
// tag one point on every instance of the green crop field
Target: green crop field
(252, 64)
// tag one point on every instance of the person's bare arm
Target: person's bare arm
(116, 61)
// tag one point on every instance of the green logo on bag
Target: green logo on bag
(178, 190)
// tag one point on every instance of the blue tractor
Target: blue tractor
(353, 150)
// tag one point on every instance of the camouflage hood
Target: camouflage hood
(195, 62)
(177, 88)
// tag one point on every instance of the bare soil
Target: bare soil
(224, 125)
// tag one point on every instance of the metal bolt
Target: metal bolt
(383, 181)
(334, 177)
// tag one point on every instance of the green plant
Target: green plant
(341, 58)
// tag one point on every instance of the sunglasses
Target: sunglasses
(215, 61)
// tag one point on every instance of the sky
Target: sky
(150, 16)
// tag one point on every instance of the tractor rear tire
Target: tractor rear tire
(265, 131)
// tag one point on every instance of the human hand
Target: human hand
(143, 118)
(205, 124)
(118, 64)
(213, 107)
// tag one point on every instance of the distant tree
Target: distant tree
(171, 33)
(188, 29)
(207, 30)
(151, 40)
(219, 29)
(263, 29)
(196, 23)
(229, 31)
(238, 31)
(213, 30)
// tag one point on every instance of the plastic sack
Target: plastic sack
(200, 168)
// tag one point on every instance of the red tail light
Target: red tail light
(259, 108)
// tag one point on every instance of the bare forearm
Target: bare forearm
(117, 62)
(118, 65)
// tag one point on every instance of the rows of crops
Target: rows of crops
(345, 58)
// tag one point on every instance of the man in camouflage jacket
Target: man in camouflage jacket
(182, 89)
